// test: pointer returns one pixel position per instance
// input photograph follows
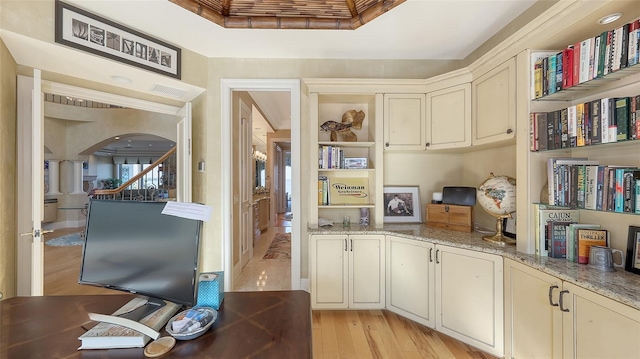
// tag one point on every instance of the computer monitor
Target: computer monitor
(131, 246)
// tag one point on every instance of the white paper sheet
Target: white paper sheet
(188, 210)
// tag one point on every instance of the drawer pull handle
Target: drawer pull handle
(551, 288)
(430, 254)
(437, 251)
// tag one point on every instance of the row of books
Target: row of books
(586, 60)
(330, 157)
(603, 120)
(559, 234)
(584, 183)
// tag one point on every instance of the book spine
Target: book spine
(571, 125)
(604, 120)
(567, 67)
(550, 131)
(602, 50)
(599, 187)
(628, 189)
(585, 53)
(564, 128)
(622, 118)
(541, 119)
(576, 62)
(619, 194)
(632, 52)
(608, 54)
(624, 47)
(580, 185)
(551, 75)
(592, 58)
(533, 132)
(633, 118)
(596, 132)
(559, 71)
(580, 137)
(586, 123)
(637, 101)
(613, 125)
(637, 209)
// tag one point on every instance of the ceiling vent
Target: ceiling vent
(169, 91)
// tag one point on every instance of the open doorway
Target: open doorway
(230, 223)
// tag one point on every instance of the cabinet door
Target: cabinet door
(448, 118)
(329, 271)
(469, 302)
(598, 327)
(404, 123)
(494, 104)
(533, 326)
(366, 271)
(411, 279)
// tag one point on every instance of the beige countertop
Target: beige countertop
(620, 285)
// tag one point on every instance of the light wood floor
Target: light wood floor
(346, 334)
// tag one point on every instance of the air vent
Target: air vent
(170, 91)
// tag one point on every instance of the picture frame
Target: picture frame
(509, 226)
(632, 262)
(88, 32)
(402, 204)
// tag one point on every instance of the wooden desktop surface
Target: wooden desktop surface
(249, 324)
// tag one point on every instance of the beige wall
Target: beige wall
(7, 173)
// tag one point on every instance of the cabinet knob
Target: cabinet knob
(427, 144)
(386, 144)
(509, 131)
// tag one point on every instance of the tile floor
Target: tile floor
(266, 274)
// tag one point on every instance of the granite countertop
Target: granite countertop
(620, 285)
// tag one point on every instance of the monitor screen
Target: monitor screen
(131, 246)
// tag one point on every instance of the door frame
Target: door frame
(33, 284)
(227, 86)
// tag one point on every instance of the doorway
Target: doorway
(228, 87)
(30, 253)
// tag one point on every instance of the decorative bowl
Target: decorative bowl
(208, 317)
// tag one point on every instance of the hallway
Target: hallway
(266, 274)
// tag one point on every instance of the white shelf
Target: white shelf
(347, 144)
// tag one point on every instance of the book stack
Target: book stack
(323, 191)
(599, 121)
(586, 60)
(559, 234)
(330, 157)
(585, 184)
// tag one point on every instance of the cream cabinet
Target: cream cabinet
(347, 271)
(411, 279)
(448, 117)
(548, 318)
(494, 104)
(469, 297)
(404, 122)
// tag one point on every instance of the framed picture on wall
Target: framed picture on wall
(402, 204)
(91, 33)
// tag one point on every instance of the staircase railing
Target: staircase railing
(162, 190)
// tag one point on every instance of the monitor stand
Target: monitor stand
(131, 318)
(144, 310)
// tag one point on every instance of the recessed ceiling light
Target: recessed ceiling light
(117, 137)
(609, 18)
(121, 79)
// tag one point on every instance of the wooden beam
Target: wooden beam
(352, 8)
(226, 7)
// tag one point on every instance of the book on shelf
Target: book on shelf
(551, 74)
(630, 177)
(553, 174)
(637, 209)
(547, 214)
(634, 40)
(323, 190)
(567, 67)
(572, 243)
(557, 234)
(107, 335)
(604, 120)
(622, 118)
(587, 238)
(596, 131)
(585, 55)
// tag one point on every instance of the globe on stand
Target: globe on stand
(497, 196)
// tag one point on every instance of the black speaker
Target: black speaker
(460, 196)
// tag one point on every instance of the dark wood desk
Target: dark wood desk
(249, 324)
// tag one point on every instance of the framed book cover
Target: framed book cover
(354, 190)
(590, 237)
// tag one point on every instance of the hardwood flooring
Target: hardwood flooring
(350, 334)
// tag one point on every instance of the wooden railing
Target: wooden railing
(162, 190)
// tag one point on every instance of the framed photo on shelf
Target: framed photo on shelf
(402, 204)
(91, 33)
(632, 262)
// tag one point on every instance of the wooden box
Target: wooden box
(447, 216)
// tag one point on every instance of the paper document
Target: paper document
(188, 210)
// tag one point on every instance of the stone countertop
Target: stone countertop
(620, 285)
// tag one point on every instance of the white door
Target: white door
(278, 179)
(246, 180)
(183, 155)
(30, 186)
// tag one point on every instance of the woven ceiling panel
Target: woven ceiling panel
(292, 14)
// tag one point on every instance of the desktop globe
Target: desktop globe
(497, 196)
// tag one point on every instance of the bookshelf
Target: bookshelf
(621, 83)
(330, 105)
